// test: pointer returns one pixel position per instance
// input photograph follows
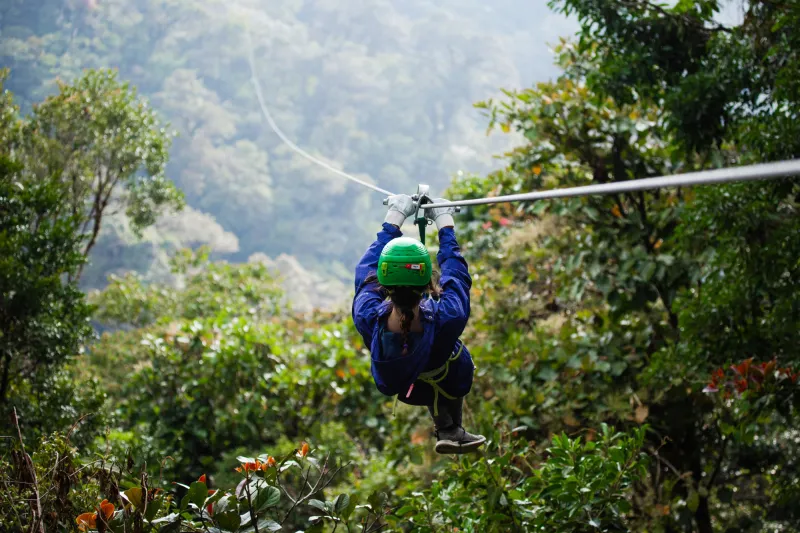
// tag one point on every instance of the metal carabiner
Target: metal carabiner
(421, 198)
(420, 220)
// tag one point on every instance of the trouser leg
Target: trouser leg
(450, 412)
(451, 437)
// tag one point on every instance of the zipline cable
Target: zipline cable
(761, 171)
(706, 177)
(279, 133)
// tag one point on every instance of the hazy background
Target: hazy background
(383, 88)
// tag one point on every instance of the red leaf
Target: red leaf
(743, 368)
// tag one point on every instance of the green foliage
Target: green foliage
(69, 155)
(225, 367)
(43, 320)
(575, 486)
(748, 272)
(269, 495)
(677, 309)
(105, 148)
(581, 486)
(363, 92)
(717, 84)
(616, 308)
(209, 289)
(63, 485)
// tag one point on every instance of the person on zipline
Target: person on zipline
(412, 325)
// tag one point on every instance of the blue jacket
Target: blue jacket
(443, 321)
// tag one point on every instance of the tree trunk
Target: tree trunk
(703, 517)
(4, 377)
(702, 514)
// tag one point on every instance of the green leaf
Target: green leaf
(693, 501)
(267, 497)
(318, 505)
(603, 284)
(547, 374)
(172, 517)
(341, 502)
(153, 508)
(269, 525)
(198, 491)
(648, 271)
(377, 500)
(134, 496)
(229, 519)
(404, 510)
(226, 503)
(348, 511)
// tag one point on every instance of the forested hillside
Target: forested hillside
(382, 89)
(636, 353)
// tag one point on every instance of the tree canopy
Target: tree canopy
(636, 354)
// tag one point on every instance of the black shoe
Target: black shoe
(457, 440)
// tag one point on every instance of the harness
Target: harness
(430, 378)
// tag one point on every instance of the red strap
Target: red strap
(409, 390)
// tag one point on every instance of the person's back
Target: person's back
(414, 340)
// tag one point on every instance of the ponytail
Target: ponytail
(406, 300)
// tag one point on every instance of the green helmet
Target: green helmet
(404, 262)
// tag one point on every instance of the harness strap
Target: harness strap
(430, 378)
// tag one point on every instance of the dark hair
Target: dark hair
(405, 299)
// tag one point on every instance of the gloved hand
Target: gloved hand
(443, 216)
(401, 206)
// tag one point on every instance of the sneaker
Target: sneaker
(457, 440)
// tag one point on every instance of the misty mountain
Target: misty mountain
(382, 89)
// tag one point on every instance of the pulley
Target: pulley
(421, 198)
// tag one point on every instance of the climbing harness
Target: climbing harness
(430, 378)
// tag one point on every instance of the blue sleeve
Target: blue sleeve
(368, 297)
(454, 305)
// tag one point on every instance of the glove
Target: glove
(443, 216)
(401, 206)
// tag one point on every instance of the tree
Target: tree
(610, 307)
(729, 95)
(43, 319)
(105, 148)
(717, 84)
